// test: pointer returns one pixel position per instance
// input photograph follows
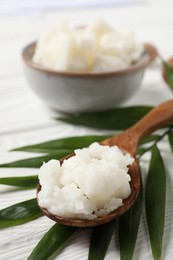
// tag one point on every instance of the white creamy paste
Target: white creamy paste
(92, 183)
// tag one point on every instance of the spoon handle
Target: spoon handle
(161, 115)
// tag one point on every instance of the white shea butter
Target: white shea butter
(92, 183)
(94, 48)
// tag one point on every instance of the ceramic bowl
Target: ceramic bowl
(76, 92)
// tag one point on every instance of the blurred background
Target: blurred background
(38, 6)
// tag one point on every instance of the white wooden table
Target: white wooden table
(25, 120)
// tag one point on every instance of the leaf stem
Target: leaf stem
(160, 137)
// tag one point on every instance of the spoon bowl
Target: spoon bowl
(127, 142)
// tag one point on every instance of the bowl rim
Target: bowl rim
(142, 63)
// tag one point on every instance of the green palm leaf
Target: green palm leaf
(114, 119)
(168, 73)
(149, 139)
(36, 162)
(26, 182)
(101, 237)
(155, 202)
(52, 242)
(70, 143)
(128, 228)
(19, 213)
(170, 136)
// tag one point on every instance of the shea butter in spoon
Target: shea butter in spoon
(92, 183)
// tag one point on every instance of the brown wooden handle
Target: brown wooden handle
(161, 115)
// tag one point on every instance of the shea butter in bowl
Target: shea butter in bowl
(82, 69)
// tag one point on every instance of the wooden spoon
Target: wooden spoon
(127, 141)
